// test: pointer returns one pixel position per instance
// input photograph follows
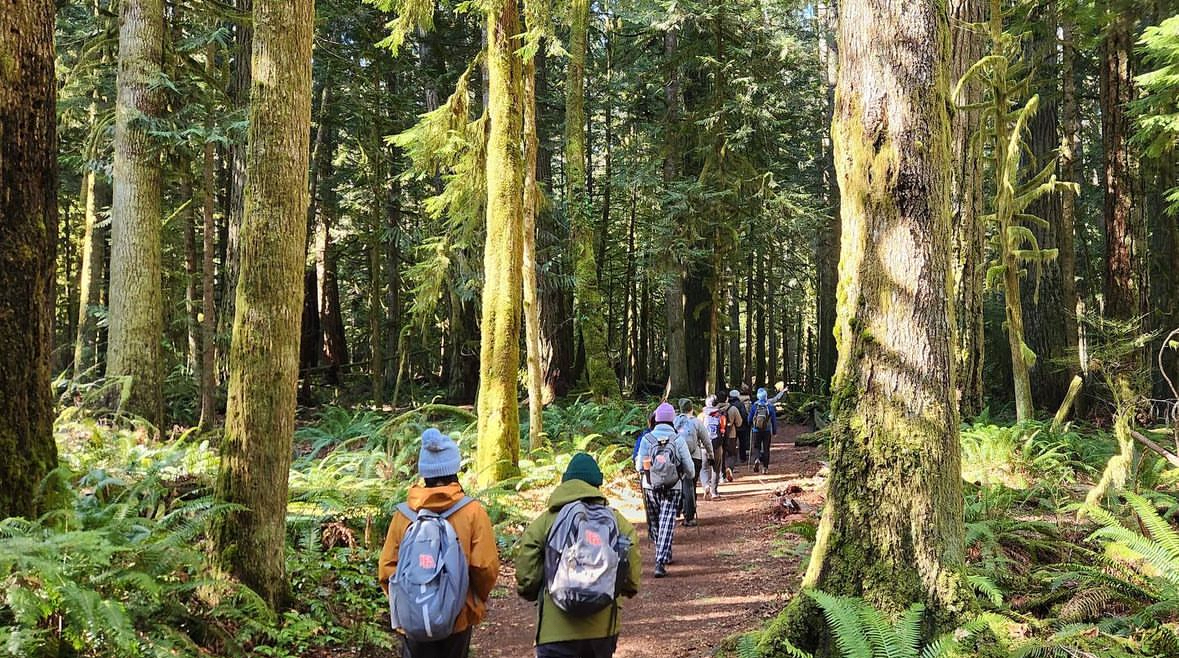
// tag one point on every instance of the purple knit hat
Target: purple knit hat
(665, 413)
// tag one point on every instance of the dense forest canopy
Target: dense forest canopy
(253, 235)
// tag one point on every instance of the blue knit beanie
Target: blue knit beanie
(439, 455)
(762, 396)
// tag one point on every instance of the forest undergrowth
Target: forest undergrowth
(120, 566)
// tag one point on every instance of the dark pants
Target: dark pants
(731, 451)
(600, 648)
(455, 646)
(761, 446)
(690, 492)
(743, 438)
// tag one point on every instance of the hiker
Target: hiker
(716, 424)
(763, 422)
(436, 519)
(664, 461)
(741, 400)
(576, 559)
(634, 458)
(695, 434)
(734, 421)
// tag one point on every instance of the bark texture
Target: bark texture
(134, 351)
(264, 353)
(966, 194)
(673, 302)
(591, 315)
(892, 530)
(28, 247)
(498, 451)
(1123, 234)
(528, 274)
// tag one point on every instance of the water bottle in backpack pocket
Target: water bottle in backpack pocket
(585, 553)
(428, 590)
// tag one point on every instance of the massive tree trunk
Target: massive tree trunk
(136, 313)
(1067, 159)
(498, 408)
(673, 306)
(892, 530)
(591, 316)
(28, 247)
(264, 353)
(969, 229)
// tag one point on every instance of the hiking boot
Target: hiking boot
(660, 570)
(691, 524)
(728, 475)
(757, 467)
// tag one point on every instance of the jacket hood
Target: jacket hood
(567, 492)
(435, 499)
(663, 431)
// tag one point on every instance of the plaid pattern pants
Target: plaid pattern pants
(665, 504)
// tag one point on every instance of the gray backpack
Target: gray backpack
(584, 554)
(429, 588)
(665, 465)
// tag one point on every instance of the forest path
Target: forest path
(731, 573)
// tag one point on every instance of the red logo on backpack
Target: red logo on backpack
(426, 561)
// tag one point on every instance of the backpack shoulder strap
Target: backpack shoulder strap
(463, 502)
(406, 510)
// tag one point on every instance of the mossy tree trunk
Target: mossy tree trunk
(828, 238)
(673, 303)
(98, 199)
(208, 381)
(28, 247)
(528, 274)
(498, 409)
(591, 316)
(264, 352)
(892, 530)
(967, 204)
(136, 316)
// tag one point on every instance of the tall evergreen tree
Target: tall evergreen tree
(136, 313)
(264, 352)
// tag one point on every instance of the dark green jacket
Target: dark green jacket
(555, 625)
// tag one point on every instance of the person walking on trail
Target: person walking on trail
(664, 461)
(634, 457)
(695, 434)
(575, 560)
(734, 421)
(740, 400)
(763, 422)
(435, 619)
(716, 423)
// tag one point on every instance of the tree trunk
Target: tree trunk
(239, 97)
(828, 251)
(263, 359)
(136, 316)
(892, 529)
(208, 383)
(1067, 158)
(590, 311)
(98, 200)
(192, 320)
(528, 275)
(555, 299)
(677, 349)
(28, 246)
(970, 263)
(335, 344)
(498, 453)
(1123, 285)
(759, 349)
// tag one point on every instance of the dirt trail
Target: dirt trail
(731, 573)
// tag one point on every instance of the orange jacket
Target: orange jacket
(473, 527)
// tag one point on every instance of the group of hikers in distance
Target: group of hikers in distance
(440, 561)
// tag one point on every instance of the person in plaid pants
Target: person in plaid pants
(663, 504)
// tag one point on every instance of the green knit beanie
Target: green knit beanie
(583, 467)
